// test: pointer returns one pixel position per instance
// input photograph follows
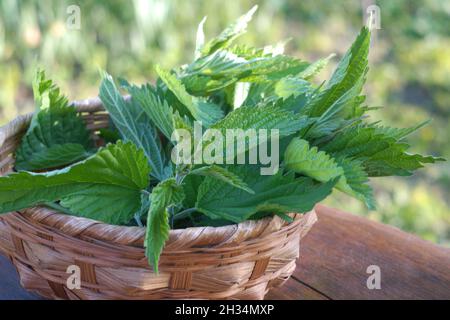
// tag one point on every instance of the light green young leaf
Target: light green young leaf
(222, 174)
(315, 67)
(166, 194)
(200, 39)
(234, 30)
(134, 125)
(241, 90)
(200, 109)
(46, 94)
(104, 187)
(318, 165)
(292, 86)
(223, 68)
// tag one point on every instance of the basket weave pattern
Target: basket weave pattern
(240, 261)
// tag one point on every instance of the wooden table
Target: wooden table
(333, 263)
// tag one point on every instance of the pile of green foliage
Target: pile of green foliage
(326, 142)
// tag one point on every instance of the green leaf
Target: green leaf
(104, 187)
(222, 174)
(292, 86)
(191, 183)
(234, 30)
(167, 193)
(354, 182)
(223, 68)
(400, 133)
(265, 117)
(52, 157)
(382, 154)
(334, 117)
(57, 135)
(134, 125)
(277, 193)
(200, 109)
(314, 68)
(46, 94)
(394, 160)
(318, 165)
(200, 39)
(350, 71)
(241, 90)
(156, 107)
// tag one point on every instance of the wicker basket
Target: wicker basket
(233, 262)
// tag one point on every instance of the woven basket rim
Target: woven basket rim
(132, 234)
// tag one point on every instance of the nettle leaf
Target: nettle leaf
(46, 94)
(222, 174)
(400, 133)
(314, 68)
(273, 68)
(276, 193)
(320, 166)
(349, 71)
(155, 106)
(57, 135)
(335, 116)
(202, 110)
(357, 141)
(394, 160)
(265, 117)
(51, 157)
(221, 63)
(166, 194)
(105, 187)
(134, 125)
(292, 86)
(200, 39)
(223, 68)
(248, 52)
(382, 154)
(225, 38)
(241, 90)
(311, 162)
(355, 182)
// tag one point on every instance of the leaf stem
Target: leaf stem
(172, 216)
(184, 213)
(58, 207)
(137, 218)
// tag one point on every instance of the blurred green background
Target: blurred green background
(409, 74)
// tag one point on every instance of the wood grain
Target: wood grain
(294, 290)
(335, 254)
